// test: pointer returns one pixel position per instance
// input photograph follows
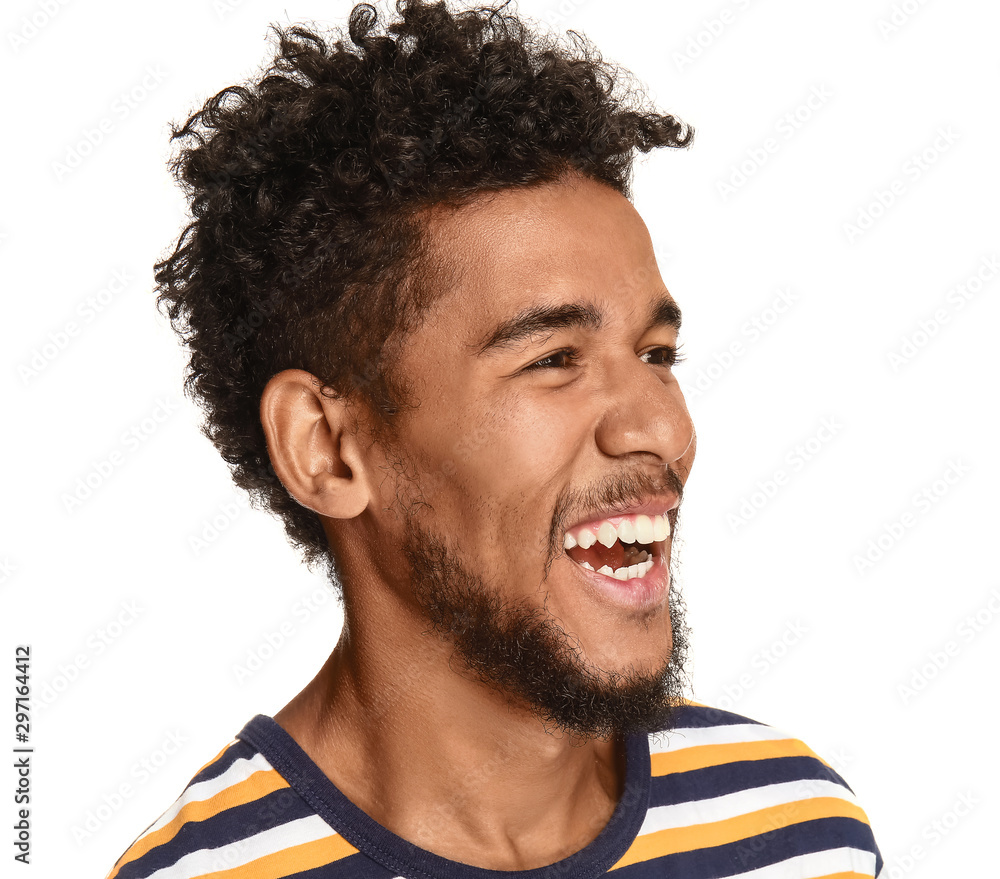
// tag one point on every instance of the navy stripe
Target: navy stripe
(357, 866)
(716, 781)
(229, 825)
(214, 769)
(705, 717)
(236, 751)
(385, 856)
(771, 847)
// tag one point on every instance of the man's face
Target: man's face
(550, 442)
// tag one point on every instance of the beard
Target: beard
(524, 654)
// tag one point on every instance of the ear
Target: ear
(314, 445)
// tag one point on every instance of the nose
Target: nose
(645, 415)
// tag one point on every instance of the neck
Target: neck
(444, 761)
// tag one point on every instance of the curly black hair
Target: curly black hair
(306, 189)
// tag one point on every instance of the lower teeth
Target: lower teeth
(637, 570)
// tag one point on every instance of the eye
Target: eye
(663, 356)
(561, 359)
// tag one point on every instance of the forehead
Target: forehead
(570, 241)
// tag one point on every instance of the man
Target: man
(429, 333)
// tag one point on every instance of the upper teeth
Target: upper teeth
(630, 529)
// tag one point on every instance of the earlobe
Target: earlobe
(313, 444)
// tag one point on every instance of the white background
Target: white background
(787, 627)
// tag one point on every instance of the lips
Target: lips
(623, 547)
(623, 556)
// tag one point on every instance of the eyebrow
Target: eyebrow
(666, 313)
(542, 319)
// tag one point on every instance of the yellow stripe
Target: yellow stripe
(117, 867)
(258, 785)
(217, 756)
(699, 836)
(851, 875)
(701, 756)
(317, 853)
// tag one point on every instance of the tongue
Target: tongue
(599, 555)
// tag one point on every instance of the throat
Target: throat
(538, 831)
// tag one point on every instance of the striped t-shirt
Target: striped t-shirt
(719, 795)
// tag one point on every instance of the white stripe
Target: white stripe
(243, 851)
(816, 864)
(731, 734)
(742, 802)
(240, 770)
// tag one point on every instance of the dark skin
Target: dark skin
(498, 436)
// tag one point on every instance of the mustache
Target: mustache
(618, 490)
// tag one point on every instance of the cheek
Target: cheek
(486, 450)
(539, 435)
(494, 477)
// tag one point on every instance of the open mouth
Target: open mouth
(623, 547)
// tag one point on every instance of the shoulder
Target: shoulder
(733, 736)
(706, 744)
(236, 810)
(759, 796)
